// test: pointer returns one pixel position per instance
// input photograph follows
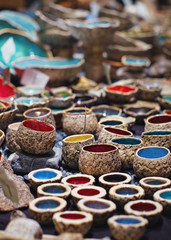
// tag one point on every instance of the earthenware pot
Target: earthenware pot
(72, 146)
(109, 133)
(36, 137)
(54, 190)
(127, 227)
(2, 137)
(163, 196)
(101, 209)
(78, 121)
(145, 208)
(147, 92)
(153, 184)
(40, 113)
(42, 209)
(11, 137)
(123, 193)
(7, 117)
(105, 110)
(158, 122)
(78, 180)
(109, 180)
(165, 102)
(4, 106)
(85, 100)
(152, 161)
(98, 159)
(72, 221)
(134, 63)
(44, 175)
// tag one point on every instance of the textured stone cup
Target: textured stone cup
(11, 137)
(158, 122)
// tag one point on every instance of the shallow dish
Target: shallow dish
(135, 63)
(139, 112)
(163, 196)
(25, 103)
(85, 100)
(105, 111)
(28, 91)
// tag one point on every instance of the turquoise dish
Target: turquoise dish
(5, 24)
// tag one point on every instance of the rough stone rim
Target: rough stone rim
(158, 198)
(127, 180)
(150, 186)
(64, 194)
(91, 180)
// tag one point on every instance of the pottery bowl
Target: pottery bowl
(2, 137)
(105, 110)
(157, 138)
(148, 209)
(44, 175)
(42, 209)
(127, 227)
(72, 146)
(11, 137)
(54, 190)
(84, 85)
(78, 180)
(40, 113)
(4, 106)
(28, 91)
(101, 209)
(134, 63)
(109, 133)
(79, 121)
(127, 147)
(85, 100)
(153, 184)
(98, 159)
(167, 111)
(36, 137)
(109, 180)
(152, 161)
(163, 196)
(7, 117)
(165, 102)
(158, 122)
(123, 193)
(72, 221)
(121, 93)
(148, 93)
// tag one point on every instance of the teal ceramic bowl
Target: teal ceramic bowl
(25, 103)
(164, 198)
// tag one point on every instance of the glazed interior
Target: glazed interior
(128, 221)
(44, 174)
(111, 122)
(72, 216)
(88, 192)
(143, 207)
(160, 119)
(126, 191)
(96, 204)
(154, 182)
(136, 61)
(37, 112)
(121, 88)
(99, 148)
(127, 141)
(78, 180)
(114, 178)
(118, 131)
(54, 189)
(168, 112)
(14, 126)
(166, 195)
(78, 111)
(105, 111)
(78, 138)
(47, 204)
(157, 133)
(152, 152)
(139, 110)
(38, 125)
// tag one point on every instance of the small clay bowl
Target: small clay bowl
(109, 133)
(42, 209)
(40, 113)
(2, 137)
(123, 193)
(135, 63)
(127, 147)
(54, 190)
(7, 117)
(113, 179)
(163, 196)
(79, 121)
(167, 111)
(78, 180)
(105, 111)
(101, 209)
(72, 146)
(144, 208)
(85, 100)
(165, 102)
(153, 184)
(121, 93)
(98, 159)
(87, 192)
(28, 91)
(152, 161)
(128, 227)
(158, 122)
(11, 137)
(72, 221)
(148, 92)
(44, 175)
(4, 106)
(36, 137)
(157, 138)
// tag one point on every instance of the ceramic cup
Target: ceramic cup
(158, 122)
(78, 180)
(163, 196)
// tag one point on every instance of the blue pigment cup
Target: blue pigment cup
(152, 152)
(127, 141)
(166, 195)
(54, 189)
(47, 204)
(154, 182)
(106, 111)
(126, 191)
(128, 221)
(158, 133)
(44, 174)
(111, 123)
(96, 205)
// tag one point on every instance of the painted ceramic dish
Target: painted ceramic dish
(2, 137)
(7, 117)
(165, 102)
(28, 91)
(152, 161)
(153, 184)
(42, 209)
(72, 146)
(164, 198)
(11, 137)
(98, 159)
(123, 193)
(101, 209)
(145, 208)
(53, 190)
(115, 178)
(58, 69)
(78, 180)
(73, 221)
(105, 111)
(127, 227)
(109, 133)
(44, 175)
(85, 100)
(156, 122)
(5, 24)
(135, 63)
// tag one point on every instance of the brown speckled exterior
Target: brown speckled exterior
(7, 117)
(11, 138)
(166, 104)
(148, 94)
(35, 142)
(164, 202)
(115, 96)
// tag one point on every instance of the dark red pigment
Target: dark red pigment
(160, 119)
(120, 88)
(78, 180)
(37, 125)
(118, 131)
(88, 192)
(143, 207)
(5, 90)
(72, 216)
(99, 148)
(168, 112)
